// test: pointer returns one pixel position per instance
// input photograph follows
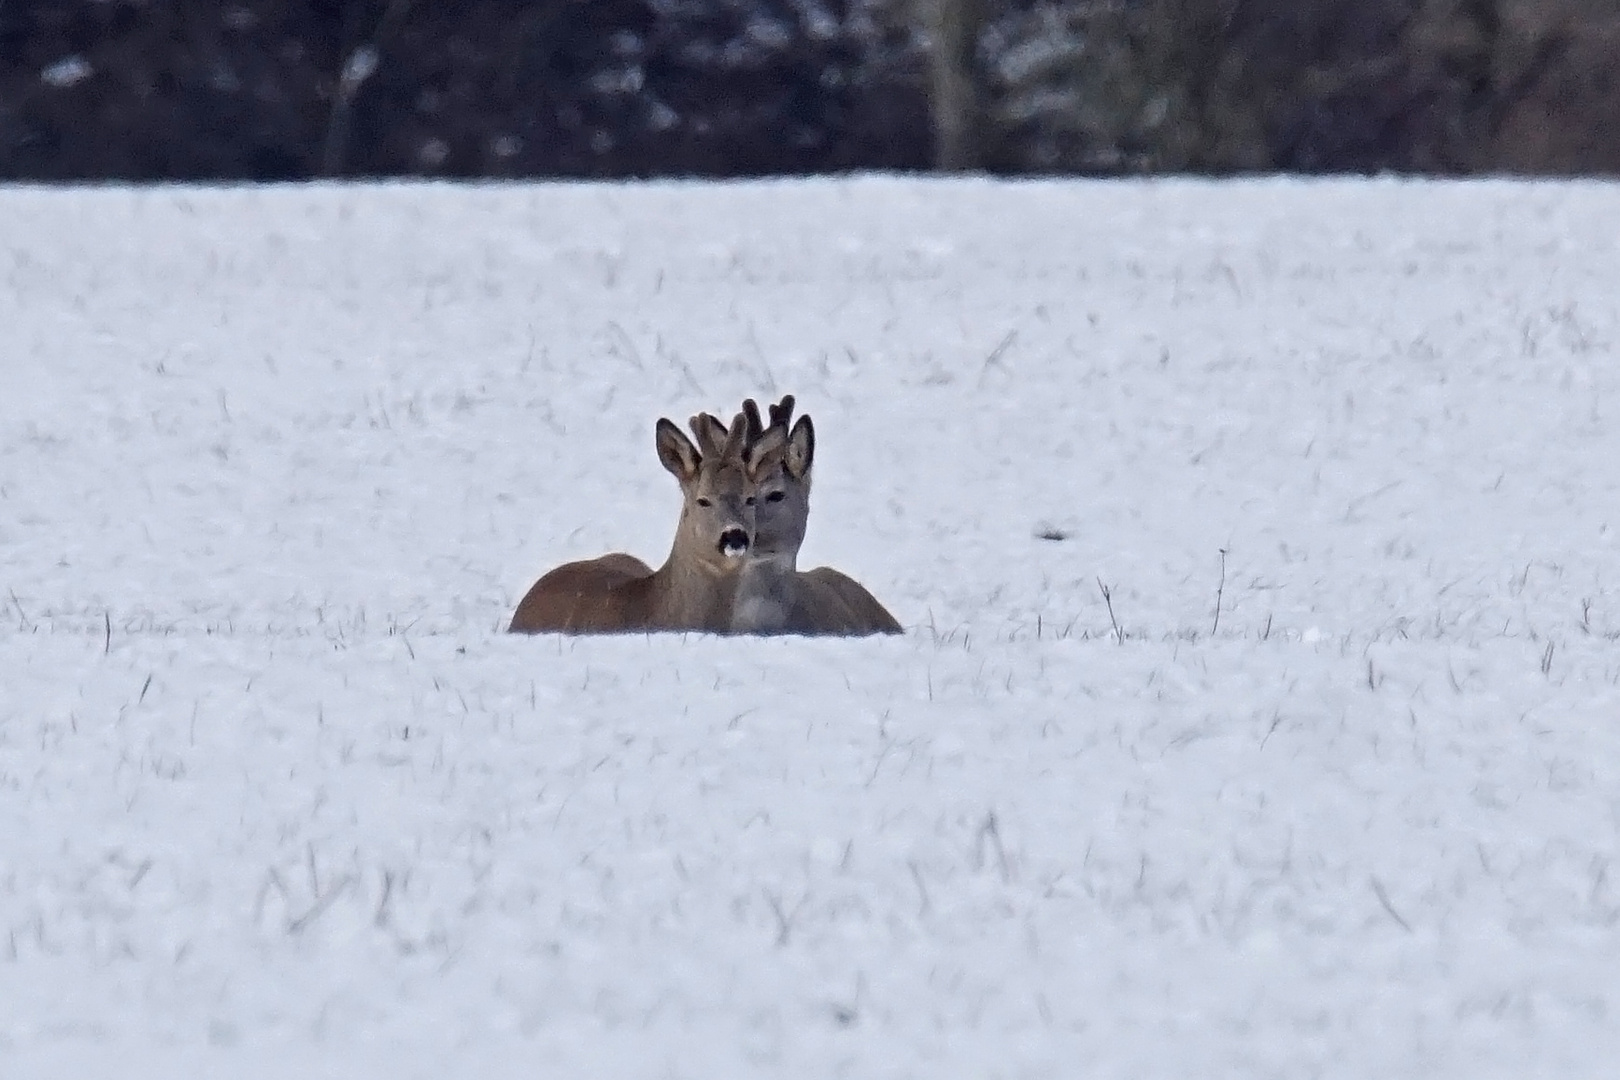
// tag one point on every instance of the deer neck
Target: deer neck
(766, 597)
(690, 594)
(773, 564)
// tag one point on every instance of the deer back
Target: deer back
(866, 615)
(569, 598)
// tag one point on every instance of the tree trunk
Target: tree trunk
(954, 91)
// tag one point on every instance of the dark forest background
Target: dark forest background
(279, 90)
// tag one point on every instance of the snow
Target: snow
(278, 798)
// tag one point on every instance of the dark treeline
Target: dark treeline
(276, 89)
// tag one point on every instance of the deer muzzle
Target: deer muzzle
(734, 543)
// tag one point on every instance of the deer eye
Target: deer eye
(776, 496)
(703, 501)
(749, 500)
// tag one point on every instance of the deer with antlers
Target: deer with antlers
(696, 587)
(733, 567)
(774, 596)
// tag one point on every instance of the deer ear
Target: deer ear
(782, 411)
(765, 453)
(800, 452)
(676, 452)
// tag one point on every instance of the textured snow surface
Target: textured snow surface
(278, 798)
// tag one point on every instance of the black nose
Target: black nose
(733, 542)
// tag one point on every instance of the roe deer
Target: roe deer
(696, 587)
(774, 596)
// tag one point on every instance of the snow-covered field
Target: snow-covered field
(278, 798)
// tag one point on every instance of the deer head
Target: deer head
(718, 479)
(783, 510)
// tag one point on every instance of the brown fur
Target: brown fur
(696, 586)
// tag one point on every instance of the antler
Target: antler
(738, 443)
(736, 439)
(711, 435)
(781, 413)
